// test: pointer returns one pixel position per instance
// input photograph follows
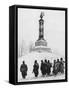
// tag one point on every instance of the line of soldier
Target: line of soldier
(58, 66)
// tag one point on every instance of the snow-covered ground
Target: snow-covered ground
(29, 60)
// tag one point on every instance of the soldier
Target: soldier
(23, 70)
(49, 67)
(54, 68)
(36, 68)
(42, 68)
(57, 65)
(61, 65)
(46, 66)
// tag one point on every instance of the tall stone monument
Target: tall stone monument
(41, 43)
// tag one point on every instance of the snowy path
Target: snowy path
(43, 78)
(29, 60)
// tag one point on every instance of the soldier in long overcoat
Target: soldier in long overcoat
(55, 68)
(24, 69)
(46, 66)
(36, 68)
(49, 65)
(42, 68)
(61, 65)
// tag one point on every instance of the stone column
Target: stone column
(41, 27)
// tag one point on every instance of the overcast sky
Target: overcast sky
(54, 27)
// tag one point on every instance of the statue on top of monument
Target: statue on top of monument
(41, 15)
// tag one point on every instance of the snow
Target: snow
(29, 60)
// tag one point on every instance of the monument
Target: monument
(41, 43)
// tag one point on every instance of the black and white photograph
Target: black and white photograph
(41, 45)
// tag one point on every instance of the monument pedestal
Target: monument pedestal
(41, 46)
(41, 43)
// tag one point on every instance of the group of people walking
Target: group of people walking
(45, 68)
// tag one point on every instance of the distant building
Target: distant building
(41, 43)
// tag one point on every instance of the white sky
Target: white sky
(54, 27)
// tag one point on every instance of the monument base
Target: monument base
(41, 46)
(41, 49)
